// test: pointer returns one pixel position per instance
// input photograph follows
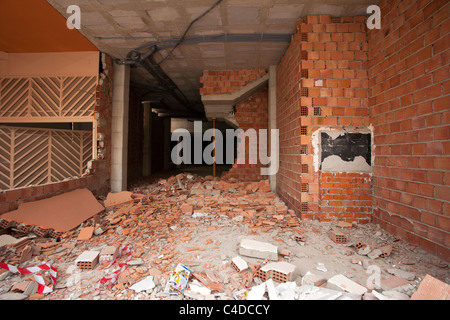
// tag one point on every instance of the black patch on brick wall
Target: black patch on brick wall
(347, 146)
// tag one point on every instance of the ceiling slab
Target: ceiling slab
(118, 26)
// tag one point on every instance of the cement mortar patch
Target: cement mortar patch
(335, 163)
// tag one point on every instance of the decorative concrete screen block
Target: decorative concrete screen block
(338, 237)
(277, 271)
(257, 249)
(239, 264)
(87, 260)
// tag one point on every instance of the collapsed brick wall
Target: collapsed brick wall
(409, 107)
(101, 167)
(322, 83)
(250, 114)
(10, 199)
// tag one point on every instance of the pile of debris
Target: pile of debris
(192, 237)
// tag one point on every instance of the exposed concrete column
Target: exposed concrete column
(272, 116)
(147, 150)
(119, 139)
(167, 140)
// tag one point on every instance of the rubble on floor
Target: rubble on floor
(192, 237)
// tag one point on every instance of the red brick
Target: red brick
(442, 192)
(12, 195)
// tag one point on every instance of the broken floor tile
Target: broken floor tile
(432, 289)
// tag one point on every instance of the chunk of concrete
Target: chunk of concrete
(13, 296)
(144, 285)
(239, 264)
(258, 249)
(402, 274)
(343, 283)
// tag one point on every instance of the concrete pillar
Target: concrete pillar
(147, 150)
(119, 139)
(167, 140)
(272, 115)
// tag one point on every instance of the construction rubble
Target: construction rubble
(204, 238)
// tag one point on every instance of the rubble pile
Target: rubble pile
(192, 237)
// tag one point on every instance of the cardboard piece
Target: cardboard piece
(62, 212)
(113, 199)
(86, 233)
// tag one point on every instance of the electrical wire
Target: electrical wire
(187, 30)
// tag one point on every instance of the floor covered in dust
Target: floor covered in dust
(200, 222)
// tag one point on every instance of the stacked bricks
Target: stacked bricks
(250, 114)
(339, 197)
(322, 82)
(409, 108)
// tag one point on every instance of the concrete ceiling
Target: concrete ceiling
(118, 26)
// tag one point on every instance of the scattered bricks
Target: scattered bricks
(108, 253)
(432, 289)
(40, 232)
(5, 224)
(277, 271)
(85, 233)
(262, 274)
(300, 237)
(385, 251)
(239, 264)
(23, 228)
(285, 253)
(54, 234)
(87, 260)
(257, 249)
(359, 245)
(338, 236)
(27, 287)
(26, 254)
(345, 225)
(186, 208)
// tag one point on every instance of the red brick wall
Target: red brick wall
(252, 113)
(103, 109)
(333, 50)
(227, 81)
(409, 107)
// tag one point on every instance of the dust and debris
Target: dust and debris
(199, 223)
